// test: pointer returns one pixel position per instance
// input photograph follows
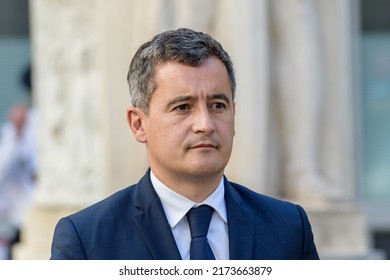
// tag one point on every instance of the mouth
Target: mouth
(204, 146)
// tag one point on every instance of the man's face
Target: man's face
(190, 126)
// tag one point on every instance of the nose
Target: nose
(203, 122)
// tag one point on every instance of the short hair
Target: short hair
(184, 46)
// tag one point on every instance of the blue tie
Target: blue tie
(199, 221)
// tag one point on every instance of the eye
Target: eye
(218, 106)
(182, 108)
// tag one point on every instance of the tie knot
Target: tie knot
(199, 220)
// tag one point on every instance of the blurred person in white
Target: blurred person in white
(18, 166)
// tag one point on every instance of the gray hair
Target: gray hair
(183, 46)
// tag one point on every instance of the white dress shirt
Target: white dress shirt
(176, 207)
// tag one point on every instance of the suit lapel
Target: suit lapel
(152, 222)
(241, 226)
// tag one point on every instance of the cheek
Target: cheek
(166, 136)
(226, 127)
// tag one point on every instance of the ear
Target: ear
(136, 121)
(234, 112)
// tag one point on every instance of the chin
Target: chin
(207, 170)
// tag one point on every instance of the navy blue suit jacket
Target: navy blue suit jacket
(131, 224)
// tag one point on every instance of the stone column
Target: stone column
(81, 51)
(312, 88)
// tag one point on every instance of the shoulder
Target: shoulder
(247, 195)
(118, 207)
(86, 233)
(283, 230)
(108, 208)
(7, 131)
(266, 206)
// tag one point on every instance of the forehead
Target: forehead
(211, 71)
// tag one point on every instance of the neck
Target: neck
(194, 188)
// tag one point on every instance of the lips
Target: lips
(204, 145)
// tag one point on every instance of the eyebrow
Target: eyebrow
(192, 98)
(219, 96)
(180, 99)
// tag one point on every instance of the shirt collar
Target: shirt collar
(176, 206)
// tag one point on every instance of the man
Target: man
(18, 169)
(182, 87)
(15, 177)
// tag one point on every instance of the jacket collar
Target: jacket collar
(152, 222)
(241, 225)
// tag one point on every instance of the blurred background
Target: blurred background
(312, 123)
